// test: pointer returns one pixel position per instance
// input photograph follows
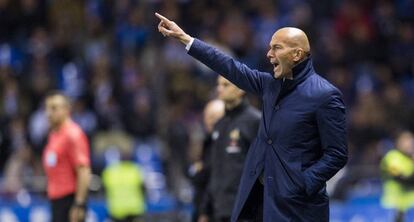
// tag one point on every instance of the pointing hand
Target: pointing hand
(171, 29)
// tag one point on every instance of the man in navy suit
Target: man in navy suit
(301, 142)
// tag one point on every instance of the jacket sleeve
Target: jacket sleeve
(331, 120)
(254, 126)
(239, 74)
(206, 206)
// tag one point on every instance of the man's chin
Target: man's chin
(277, 75)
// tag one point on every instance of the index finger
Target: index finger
(162, 17)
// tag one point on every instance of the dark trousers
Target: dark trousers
(253, 209)
(259, 218)
(222, 219)
(259, 215)
(61, 207)
(131, 218)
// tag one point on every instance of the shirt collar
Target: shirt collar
(299, 72)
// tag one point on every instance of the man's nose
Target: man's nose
(269, 55)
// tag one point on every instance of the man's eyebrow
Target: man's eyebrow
(275, 44)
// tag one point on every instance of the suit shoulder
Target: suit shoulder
(319, 87)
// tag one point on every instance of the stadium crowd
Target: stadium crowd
(108, 57)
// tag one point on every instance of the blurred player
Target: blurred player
(124, 189)
(66, 162)
(398, 171)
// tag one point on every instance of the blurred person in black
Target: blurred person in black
(199, 171)
(231, 139)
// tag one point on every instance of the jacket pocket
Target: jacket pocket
(288, 176)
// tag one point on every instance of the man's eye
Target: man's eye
(275, 48)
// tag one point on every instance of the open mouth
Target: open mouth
(275, 65)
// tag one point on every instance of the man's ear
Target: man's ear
(298, 54)
(242, 93)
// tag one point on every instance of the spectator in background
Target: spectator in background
(84, 117)
(32, 13)
(102, 89)
(124, 188)
(199, 171)
(66, 162)
(105, 142)
(140, 120)
(397, 168)
(131, 34)
(13, 101)
(20, 156)
(38, 128)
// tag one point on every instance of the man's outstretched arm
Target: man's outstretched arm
(238, 73)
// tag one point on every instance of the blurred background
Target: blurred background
(134, 91)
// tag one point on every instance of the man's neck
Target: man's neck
(59, 125)
(290, 74)
(232, 104)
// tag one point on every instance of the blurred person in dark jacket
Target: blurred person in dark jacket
(397, 168)
(231, 139)
(199, 171)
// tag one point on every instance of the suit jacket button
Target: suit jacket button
(252, 173)
(277, 107)
(269, 141)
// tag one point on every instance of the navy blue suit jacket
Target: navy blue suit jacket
(301, 142)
